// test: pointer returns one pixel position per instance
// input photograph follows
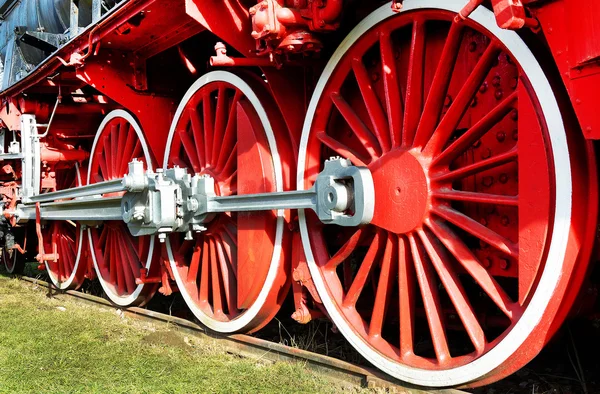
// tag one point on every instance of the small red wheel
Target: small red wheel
(480, 196)
(118, 256)
(232, 275)
(66, 238)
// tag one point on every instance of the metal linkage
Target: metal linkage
(175, 201)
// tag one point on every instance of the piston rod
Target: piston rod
(168, 201)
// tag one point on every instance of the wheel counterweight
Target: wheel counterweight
(232, 273)
(118, 256)
(468, 248)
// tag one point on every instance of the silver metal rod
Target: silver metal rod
(306, 199)
(89, 209)
(114, 186)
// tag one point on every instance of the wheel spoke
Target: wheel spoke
(114, 152)
(220, 123)
(455, 291)
(472, 265)
(216, 282)
(360, 130)
(374, 109)
(204, 284)
(345, 251)
(478, 230)
(341, 149)
(384, 287)
(482, 198)
(126, 269)
(477, 131)
(132, 257)
(391, 85)
(406, 292)
(478, 167)
(463, 99)
(127, 151)
(363, 271)
(224, 252)
(431, 302)
(208, 113)
(188, 146)
(103, 167)
(228, 279)
(439, 86)
(198, 134)
(194, 263)
(230, 132)
(118, 265)
(229, 246)
(231, 163)
(414, 85)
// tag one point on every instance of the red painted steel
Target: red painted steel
(119, 256)
(224, 268)
(462, 193)
(436, 108)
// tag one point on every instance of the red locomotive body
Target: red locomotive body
(420, 172)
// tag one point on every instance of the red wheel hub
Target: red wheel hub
(401, 192)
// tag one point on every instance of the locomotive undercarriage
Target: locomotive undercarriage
(430, 192)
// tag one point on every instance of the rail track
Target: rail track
(249, 346)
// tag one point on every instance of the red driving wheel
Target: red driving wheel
(118, 256)
(482, 191)
(232, 274)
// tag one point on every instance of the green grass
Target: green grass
(52, 345)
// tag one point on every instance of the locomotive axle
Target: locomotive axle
(168, 201)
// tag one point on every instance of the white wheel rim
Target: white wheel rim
(134, 297)
(562, 214)
(246, 317)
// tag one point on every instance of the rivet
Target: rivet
(375, 77)
(503, 264)
(514, 114)
(503, 178)
(514, 83)
(474, 102)
(477, 144)
(472, 46)
(499, 94)
(487, 262)
(496, 81)
(486, 154)
(505, 221)
(483, 221)
(500, 136)
(515, 135)
(488, 181)
(483, 88)
(483, 245)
